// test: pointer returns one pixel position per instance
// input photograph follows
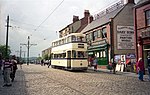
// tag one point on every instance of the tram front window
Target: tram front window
(80, 54)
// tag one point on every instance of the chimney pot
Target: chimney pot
(130, 1)
(86, 13)
(75, 18)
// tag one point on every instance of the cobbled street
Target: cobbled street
(40, 80)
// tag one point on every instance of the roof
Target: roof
(102, 20)
(141, 2)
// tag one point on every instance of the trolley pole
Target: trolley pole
(28, 47)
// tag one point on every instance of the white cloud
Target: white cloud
(28, 14)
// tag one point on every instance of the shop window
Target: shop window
(148, 17)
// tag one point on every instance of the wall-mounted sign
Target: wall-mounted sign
(146, 33)
(125, 37)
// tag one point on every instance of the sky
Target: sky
(41, 19)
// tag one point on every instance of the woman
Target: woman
(140, 68)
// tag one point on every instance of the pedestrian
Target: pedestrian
(95, 63)
(140, 68)
(114, 67)
(14, 68)
(1, 62)
(148, 63)
(49, 63)
(90, 61)
(7, 67)
(42, 62)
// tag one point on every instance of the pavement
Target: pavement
(130, 74)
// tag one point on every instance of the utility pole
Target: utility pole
(20, 53)
(6, 54)
(28, 47)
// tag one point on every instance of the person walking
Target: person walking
(148, 63)
(140, 68)
(1, 62)
(95, 63)
(7, 67)
(14, 68)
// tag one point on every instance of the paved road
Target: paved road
(40, 80)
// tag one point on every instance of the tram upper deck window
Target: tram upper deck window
(73, 38)
(80, 39)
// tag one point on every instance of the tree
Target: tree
(3, 51)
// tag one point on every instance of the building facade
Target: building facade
(111, 35)
(142, 29)
(46, 52)
(77, 25)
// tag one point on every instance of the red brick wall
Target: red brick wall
(140, 13)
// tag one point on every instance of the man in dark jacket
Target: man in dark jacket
(14, 67)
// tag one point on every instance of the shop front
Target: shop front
(99, 49)
(144, 45)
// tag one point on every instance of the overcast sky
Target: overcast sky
(27, 15)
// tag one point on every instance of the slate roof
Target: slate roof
(102, 20)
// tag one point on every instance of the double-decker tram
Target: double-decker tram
(69, 52)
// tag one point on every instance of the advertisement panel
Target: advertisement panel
(125, 37)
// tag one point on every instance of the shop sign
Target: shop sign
(131, 56)
(146, 33)
(99, 42)
(125, 37)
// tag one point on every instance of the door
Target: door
(68, 59)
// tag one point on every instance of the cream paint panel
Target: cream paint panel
(59, 63)
(76, 63)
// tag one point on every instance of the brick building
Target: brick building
(142, 29)
(77, 25)
(46, 52)
(111, 34)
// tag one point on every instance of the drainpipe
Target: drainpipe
(111, 39)
(135, 31)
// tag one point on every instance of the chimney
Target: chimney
(75, 18)
(86, 13)
(130, 1)
(90, 19)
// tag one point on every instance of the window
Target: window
(73, 38)
(80, 54)
(69, 39)
(148, 17)
(98, 33)
(91, 36)
(94, 35)
(73, 54)
(87, 37)
(104, 33)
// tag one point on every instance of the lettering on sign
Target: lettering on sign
(125, 37)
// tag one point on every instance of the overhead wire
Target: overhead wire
(48, 15)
